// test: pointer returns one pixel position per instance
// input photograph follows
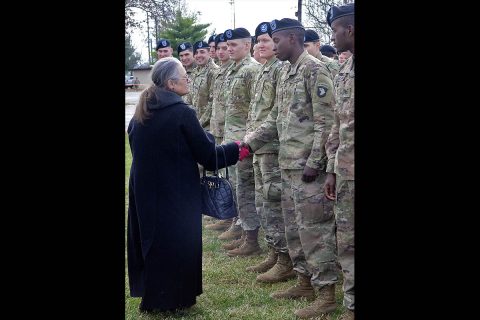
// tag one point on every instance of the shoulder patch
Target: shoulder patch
(322, 90)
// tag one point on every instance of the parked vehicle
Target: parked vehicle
(131, 82)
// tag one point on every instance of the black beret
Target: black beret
(311, 36)
(200, 45)
(162, 43)
(211, 39)
(219, 38)
(337, 12)
(263, 28)
(284, 24)
(327, 49)
(184, 46)
(238, 33)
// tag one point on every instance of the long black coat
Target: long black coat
(164, 242)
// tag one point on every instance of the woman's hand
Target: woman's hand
(243, 151)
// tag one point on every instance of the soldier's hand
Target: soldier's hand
(309, 174)
(329, 186)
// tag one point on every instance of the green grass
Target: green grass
(229, 292)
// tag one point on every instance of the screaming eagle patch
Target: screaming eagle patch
(322, 90)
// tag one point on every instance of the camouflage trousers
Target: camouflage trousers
(244, 186)
(345, 216)
(268, 199)
(309, 227)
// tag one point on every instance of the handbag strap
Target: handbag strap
(216, 163)
(225, 161)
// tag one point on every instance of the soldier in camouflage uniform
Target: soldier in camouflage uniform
(268, 182)
(202, 83)
(301, 119)
(312, 45)
(340, 182)
(185, 54)
(240, 80)
(163, 49)
(217, 124)
(212, 49)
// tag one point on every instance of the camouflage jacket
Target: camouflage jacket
(200, 94)
(302, 115)
(190, 73)
(340, 143)
(240, 80)
(263, 99)
(218, 97)
(332, 64)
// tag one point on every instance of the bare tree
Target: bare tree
(316, 16)
(161, 11)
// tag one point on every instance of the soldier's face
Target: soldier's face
(186, 57)
(342, 35)
(265, 46)
(238, 49)
(201, 56)
(212, 50)
(222, 52)
(164, 52)
(344, 56)
(312, 48)
(281, 45)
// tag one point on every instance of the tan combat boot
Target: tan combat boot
(325, 303)
(249, 248)
(281, 271)
(303, 289)
(220, 225)
(347, 315)
(235, 243)
(265, 264)
(232, 233)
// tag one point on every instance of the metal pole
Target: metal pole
(299, 12)
(148, 41)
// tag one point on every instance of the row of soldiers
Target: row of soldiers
(295, 114)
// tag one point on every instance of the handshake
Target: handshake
(244, 150)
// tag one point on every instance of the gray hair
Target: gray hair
(165, 69)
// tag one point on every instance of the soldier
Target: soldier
(340, 182)
(268, 182)
(329, 51)
(343, 56)
(256, 55)
(241, 77)
(163, 49)
(185, 54)
(312, 45)
(202, 82)
(217, 124)
(212, 49)
(303, 114)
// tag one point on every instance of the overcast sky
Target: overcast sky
(248, 14)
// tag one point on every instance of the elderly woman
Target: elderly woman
(164, 213)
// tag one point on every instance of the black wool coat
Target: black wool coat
(164, 240)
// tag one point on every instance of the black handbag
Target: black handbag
(218, 198)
